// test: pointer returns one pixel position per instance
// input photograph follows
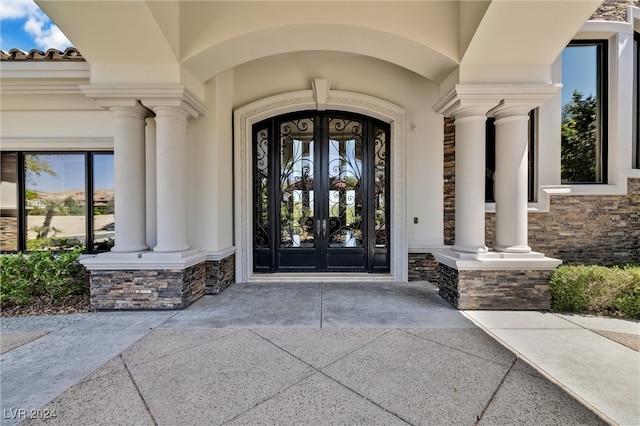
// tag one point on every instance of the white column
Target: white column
(511, 179)
(129, 171)
(470, 178)
(171, 178)
(150, 150)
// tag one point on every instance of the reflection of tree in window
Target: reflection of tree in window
(55, 212)
(584, 124)
(579, 126)
(54, 201)
(35, 167)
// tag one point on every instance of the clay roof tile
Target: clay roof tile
(69, 54)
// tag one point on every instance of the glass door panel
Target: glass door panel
(380, 187)
(345, 197)
(297, 184)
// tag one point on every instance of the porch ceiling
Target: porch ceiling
(522, 32)
(208, 37)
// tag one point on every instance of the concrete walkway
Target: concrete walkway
(383, 353)
(595, 359)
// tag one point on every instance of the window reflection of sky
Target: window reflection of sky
(69, 172)
(579, 69)
(103, 171)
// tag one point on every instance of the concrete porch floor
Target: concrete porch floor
(310, 353)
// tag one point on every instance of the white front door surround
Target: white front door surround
(320, 98)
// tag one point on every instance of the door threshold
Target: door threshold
(325, 277)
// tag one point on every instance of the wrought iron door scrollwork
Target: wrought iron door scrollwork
(296, 183)
(346, 154)
(261, 189)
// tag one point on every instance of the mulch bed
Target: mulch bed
(44, 306)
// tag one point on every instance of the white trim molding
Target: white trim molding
(321, 97)
(56, 144)
(43, 77)
(108, 95)
(145, 260)
(219, 255)
(496, 261)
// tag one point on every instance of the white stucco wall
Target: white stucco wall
(55, 124)
(210, 173)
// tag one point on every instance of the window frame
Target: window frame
(602, 105)
(89, 194)
(636, 100)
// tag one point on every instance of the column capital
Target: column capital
(178, 97)
(150, 95)
(465, 101)
(519, 99)
(135, 110)
(493, 97)
(171, 111)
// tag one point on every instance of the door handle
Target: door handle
(322, 231)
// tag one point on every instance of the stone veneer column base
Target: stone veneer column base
(220, 274)
(423, 267)
(147, 289)
(149, 280)
(495, 281)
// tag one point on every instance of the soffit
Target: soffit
(114, 32)
(522, 32)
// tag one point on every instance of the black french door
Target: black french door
(321, 193)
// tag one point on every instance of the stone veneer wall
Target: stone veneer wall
(517, 290)
(423, 267)
(449, 176)
(147, 289)
(220, 274)
(600, 229)
(614, 10)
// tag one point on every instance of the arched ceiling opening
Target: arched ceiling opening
(406, 53)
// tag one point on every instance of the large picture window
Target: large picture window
(56, 201)
(584, 112)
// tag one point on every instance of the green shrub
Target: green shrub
(628, 301)
(53, 275)
(52, 243)
(590, 288)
